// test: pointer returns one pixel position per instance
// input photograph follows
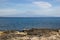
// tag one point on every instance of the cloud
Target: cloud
(3, 1)
(57, 0)
(36, 8)
(42, 4)
(4, 12)
(52, 12)
(10, 12)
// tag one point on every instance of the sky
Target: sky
(29, 8)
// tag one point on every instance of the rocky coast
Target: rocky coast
(31, 34)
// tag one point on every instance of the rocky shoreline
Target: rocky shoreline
(31, 34)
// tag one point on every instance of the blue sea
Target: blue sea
(19, 23)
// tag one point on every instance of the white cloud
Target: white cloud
(4, 12)
(42, 4)
(31, 10)
(31, 13)
(53, 12)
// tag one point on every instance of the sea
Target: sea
(20, 23)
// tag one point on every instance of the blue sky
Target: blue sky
(29, 8)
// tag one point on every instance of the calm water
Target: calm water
(16, 23)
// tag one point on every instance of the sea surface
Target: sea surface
(19, 23)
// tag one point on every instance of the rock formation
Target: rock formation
(32, 34)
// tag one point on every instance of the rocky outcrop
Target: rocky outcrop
(32, 34)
